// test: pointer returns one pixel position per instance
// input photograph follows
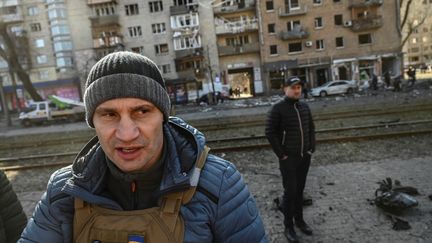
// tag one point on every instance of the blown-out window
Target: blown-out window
(365, 39)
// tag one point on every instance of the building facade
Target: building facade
(44, 49)
(418, 48)
(321, 40)
(242, 48)
(169, 32)
(237, 36)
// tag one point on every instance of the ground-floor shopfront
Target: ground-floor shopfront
(241, 75)
(360, 69)
(183, 91)
(16, 98)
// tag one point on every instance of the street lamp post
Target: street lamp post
(210, 68)
(212, 98)
(4, 105)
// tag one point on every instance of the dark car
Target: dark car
(204, 99)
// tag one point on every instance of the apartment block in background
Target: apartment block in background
(418, 48)
(320, 40)
(167, 31)
(190, 63)
(237, 36)
(12, 16)
(44, 47)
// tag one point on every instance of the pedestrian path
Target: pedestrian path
(340, 211)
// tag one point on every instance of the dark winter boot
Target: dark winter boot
(301, 224)
(291, 235)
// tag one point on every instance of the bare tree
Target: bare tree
(9, 54)
(413, 15)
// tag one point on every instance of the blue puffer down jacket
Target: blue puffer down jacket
(224, 211)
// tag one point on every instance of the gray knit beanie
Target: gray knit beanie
(125, 75)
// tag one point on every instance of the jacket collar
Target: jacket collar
(184, 144)
(290, 100)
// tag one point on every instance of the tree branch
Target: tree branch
(405, 17)
(11, 57)
(411, 28)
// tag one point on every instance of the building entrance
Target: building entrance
(241, 83)
(321, 75)
(343, 73)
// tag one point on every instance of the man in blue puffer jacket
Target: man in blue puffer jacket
(138, 156)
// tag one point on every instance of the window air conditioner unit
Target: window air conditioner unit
(308, 43)
(348, 23)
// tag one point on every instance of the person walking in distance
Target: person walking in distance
(291, 132)
(411, 75)
(387, 79)
(146, 176)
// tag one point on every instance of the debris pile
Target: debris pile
(394, 199)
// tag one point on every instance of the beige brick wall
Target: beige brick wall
(384, 39)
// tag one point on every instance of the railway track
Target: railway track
(38, 143)
(234, 144)
(218, 124)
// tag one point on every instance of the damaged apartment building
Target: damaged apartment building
(321, 40)
(242, 48)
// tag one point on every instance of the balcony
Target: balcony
(242, 6)
(365, 3)
(189, 52)
(11, 18)
(183, 9)
(295, 34)
(187, 74)
(21, 43)
(287, 11)
(235, 50)
(107, 42)
(9, 3)
(237, 27)
(368, 23)
(99, 21)
(185, 22)
(93, 2)
(191, 74)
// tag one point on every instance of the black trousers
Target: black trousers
(294, 172)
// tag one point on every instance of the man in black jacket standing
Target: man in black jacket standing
(291, 133)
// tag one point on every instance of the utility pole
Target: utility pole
(210, 69)
(212, 96)
(4, 105)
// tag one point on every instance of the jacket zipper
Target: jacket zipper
(134, 194)
(301, 129)
(283, 137)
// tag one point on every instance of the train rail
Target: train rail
(81, 137)
(320, 116)
(218, 146)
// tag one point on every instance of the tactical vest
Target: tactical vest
(94, 224)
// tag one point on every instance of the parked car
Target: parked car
(218, 96)
(334, 87)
